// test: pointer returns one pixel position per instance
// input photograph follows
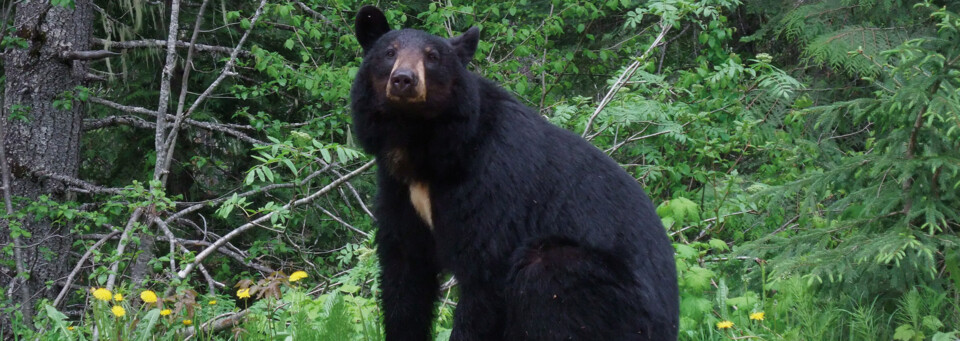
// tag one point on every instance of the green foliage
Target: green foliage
(803, 157)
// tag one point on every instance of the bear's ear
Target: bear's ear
(370, 25)
(465, 45)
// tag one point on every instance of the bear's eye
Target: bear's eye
(433, 56)
(391, 53)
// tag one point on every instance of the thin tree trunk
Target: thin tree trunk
(40, 137)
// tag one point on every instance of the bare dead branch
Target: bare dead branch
(164, 159)
(266, 217)
(198, 243)
(198, 205)
(87, 55)
(147, 43)
(76, 268)
(220, 127)
(121, 107)
(344, 223)
(94, 124)
(218, 323)
(97, 189)
(160, 145)
(636, 137)
(122, 246)
(624, 77)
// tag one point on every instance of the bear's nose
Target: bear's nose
(403, 81)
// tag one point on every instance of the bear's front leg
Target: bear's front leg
(408, 266)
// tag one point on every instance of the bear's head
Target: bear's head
(410, 72)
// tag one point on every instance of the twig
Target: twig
(347, 225)
(76, 269)
(853, 133)
(122, 246)
(242, 228)
(216, 324)
(625, 76)
(635, 138)
(8, 204)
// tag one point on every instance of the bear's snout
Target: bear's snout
(407, 82)
(403, 83)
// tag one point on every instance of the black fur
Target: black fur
(549, 238)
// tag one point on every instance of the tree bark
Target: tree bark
(40, 137)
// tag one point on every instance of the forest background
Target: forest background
(194, 161)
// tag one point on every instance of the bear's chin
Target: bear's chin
(403, 109)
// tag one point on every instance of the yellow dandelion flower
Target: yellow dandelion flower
(148, 296)
(165, 312)
(118, 311)
(212, 302)
(102, 294)
(757, 316)
(298, 275)
(187, 322)
(118, 297)
(243, 293)
(724, 325)
(70, 328)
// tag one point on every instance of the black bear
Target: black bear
(548, 237)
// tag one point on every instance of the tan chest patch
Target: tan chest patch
(420, 197)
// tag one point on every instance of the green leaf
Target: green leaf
(904, 332)
(326, 155)
(293, 169)
(718, 245)
(288, 44)
(250, 177)
(151, 317)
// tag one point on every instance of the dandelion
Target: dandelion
(187, 322)
(118, 297)
(298, 275)
(757, 316)
(724, 325)
(102, 294)
(70, 328)
(148, 296)
(243, 293)
(118, 311)
(212, 302)
(165, 312)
